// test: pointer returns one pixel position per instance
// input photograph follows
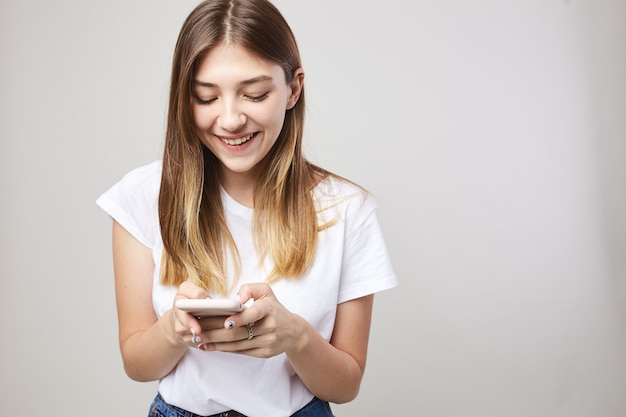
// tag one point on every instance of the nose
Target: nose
(231, 118)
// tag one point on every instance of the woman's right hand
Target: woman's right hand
(188, 329)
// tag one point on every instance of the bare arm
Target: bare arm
(150, 348)
(333, 372)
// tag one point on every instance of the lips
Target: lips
(237, 141)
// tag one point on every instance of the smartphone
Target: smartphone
(208, 307)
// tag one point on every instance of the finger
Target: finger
(186, 324)
(195, 338)
(185, 320)
(261, 293)
(230, 339)
(212, 323)
(255, 291)
(250, 315)
(242, 345)
(250, 347)
(190, 290)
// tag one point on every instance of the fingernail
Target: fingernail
(230, 324)
(193, 332)
(202, 346)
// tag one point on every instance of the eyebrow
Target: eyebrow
(250, 81)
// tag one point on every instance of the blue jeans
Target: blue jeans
(159, 408)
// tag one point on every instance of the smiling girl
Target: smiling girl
(234, 210)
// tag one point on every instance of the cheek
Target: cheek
(272, 116)
(202, 117)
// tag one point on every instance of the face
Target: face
(239, 103)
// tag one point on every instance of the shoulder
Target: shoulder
(133, 202)
(337, 191)
(144, 174)
(345, 199)
(138, 190)
(141, 183)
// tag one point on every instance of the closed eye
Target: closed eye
(201, 101)
(258, 98)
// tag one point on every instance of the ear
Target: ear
(296, 88)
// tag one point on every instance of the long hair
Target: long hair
(196, 239)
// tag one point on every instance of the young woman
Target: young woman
(235, 211)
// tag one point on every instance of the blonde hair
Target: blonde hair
(197, 242)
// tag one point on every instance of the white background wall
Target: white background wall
(493, 133)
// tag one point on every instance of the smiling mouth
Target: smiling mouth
(238, 141)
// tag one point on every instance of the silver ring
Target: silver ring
(250, 332)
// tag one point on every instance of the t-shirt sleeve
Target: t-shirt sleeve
(133, 203)
(367, 267)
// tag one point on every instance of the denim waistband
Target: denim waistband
(159, 408)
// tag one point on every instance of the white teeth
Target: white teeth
(234, 142)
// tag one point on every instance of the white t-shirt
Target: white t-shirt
(351, 261)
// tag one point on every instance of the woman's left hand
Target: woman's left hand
(264, 329)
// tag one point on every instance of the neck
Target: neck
(240, 186)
